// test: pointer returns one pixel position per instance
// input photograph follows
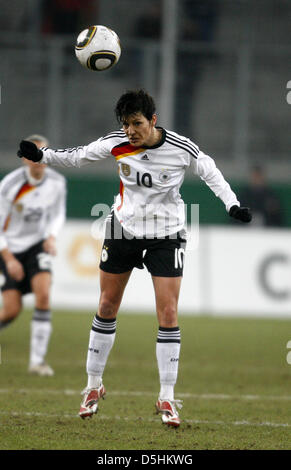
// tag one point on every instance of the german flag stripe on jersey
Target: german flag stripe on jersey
(6, 223)
(125, 150)
(121, 191)
(25, 188)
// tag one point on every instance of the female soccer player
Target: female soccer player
(32, 211)
(146, 227)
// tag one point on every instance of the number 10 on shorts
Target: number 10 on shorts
(179, 257)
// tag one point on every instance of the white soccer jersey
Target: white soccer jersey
(30, 212)
(149, 202)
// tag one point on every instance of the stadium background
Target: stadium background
(219, 71)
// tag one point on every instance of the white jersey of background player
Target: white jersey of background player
(32, 212)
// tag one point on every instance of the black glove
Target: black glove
(30, 151)
(240, 213)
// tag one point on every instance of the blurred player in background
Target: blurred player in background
(146, 227)
(266, 205)
(32, 212)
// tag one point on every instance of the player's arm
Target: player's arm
(211, 175)
(57, 220)
(13, 266)
(70, 157)
(49, 245)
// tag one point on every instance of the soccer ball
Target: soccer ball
(98, 48)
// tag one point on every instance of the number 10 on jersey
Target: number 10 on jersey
(144, 180)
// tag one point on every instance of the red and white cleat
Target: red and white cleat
(89, 404)
(167, 408)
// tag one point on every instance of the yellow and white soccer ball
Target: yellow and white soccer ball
(98, 48)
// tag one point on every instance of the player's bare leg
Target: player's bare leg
(102, 338)
(167, 291)
(12, 304)
(41, 327)
(40, 285)
(112, 288)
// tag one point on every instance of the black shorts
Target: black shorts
(162, 256)
(34, 260)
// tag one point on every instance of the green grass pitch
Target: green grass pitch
(234, 380)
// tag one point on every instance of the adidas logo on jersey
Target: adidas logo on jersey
(145, 157)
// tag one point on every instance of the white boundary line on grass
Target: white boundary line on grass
(148, 420)
(135, 393)
(204, 396)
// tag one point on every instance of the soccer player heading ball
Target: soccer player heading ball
(146, 227)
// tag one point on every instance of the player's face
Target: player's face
(36, 169)
(140, 131)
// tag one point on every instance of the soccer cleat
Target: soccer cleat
(44, 370)
(89, 404)
(167, 408)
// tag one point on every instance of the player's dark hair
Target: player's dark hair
(135, 101)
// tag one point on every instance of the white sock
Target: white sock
(94, 381)
(168, 352)
(102, 336)
(40, 333)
